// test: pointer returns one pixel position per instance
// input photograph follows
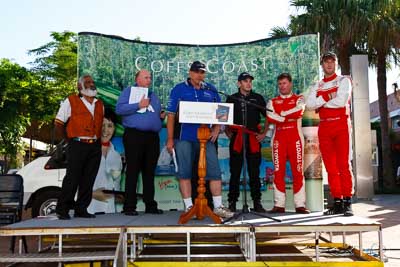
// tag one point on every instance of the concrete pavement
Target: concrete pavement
(386, 210)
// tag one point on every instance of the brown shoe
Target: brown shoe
(276, 209)
(302, 210)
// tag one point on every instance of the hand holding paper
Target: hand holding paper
(139, 95)
(144, 102)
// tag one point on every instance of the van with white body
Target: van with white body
(42, 182)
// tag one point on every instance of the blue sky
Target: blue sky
(26, 24)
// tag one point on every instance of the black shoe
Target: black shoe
(63, 216)
(232, 206)
(337, 207)
(131, 213)
(258, 207)
(84, 214)
(347, 210)
(154, 211)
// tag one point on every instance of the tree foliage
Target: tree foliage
(14, 100)
(349, 26)
(341, 24)
(56, 67)
(382, 37)
(32, 96)
(279, 32)
(56, 61)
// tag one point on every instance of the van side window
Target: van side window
(58, 158)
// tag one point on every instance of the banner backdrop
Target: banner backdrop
(113, 61)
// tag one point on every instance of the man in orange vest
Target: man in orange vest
(79, 121)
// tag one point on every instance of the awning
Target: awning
(35, 144)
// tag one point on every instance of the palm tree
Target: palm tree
(383, 34)
(279, 32)
(340, 22)
(348, 26)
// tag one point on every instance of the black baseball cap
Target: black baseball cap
(197, 65)
(328, 55)
(244, 75)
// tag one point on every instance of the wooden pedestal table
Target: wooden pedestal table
(200, 209)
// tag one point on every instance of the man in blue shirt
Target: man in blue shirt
(141, 143)
(183, 137)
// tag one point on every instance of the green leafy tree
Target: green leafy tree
(29, 99)
(56, 61)
(14, 91)
(56, 68)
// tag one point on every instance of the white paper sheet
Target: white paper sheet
(136, 95)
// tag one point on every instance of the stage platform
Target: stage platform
(149, 237)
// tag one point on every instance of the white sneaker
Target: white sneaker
(223, 212)
(188, 208)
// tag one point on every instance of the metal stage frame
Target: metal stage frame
(133, 235)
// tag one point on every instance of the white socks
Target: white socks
(217, 200)
(188, 202)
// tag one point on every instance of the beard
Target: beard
(91, 92)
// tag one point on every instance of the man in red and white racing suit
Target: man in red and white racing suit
(287, 143)
(330, 98)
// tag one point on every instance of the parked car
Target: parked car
(42, 182)
(12, 171)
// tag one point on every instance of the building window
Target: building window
(374, 156)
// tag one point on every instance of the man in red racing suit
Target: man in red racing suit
(330, 97)
(287, 143)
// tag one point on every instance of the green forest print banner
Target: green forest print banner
(113, 62)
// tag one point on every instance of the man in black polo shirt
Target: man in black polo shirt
(250, 128)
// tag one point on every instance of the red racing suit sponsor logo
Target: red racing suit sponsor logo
(299, 156)
(276, 157)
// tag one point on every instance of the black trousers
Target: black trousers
(253, 170)
(141, 152)
(83, 165)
